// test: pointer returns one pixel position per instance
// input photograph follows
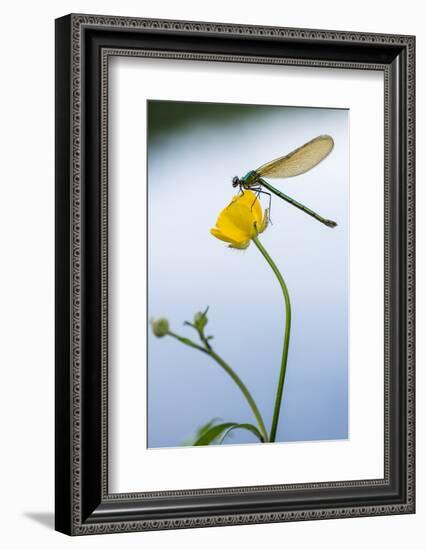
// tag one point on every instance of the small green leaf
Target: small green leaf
(200, 431)
(211, 435)
(185, 341)
(250, 427)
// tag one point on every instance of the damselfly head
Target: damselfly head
(236, 181)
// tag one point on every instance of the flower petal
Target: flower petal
(253, 202)
(250, 199)
(240, 246)
(245, 197)
(235, 243)
(239, 215)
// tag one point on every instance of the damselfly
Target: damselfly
(295, 163)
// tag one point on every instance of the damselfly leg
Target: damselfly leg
(258, 190)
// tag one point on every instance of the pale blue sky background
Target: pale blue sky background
(192, 156)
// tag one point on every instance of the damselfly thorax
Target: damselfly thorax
(297, 162)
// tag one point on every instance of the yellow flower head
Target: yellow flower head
(241, 220)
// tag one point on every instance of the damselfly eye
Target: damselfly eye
(235, 181)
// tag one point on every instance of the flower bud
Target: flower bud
(160, 327)
(200, 320)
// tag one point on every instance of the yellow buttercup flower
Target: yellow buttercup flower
(241, 220)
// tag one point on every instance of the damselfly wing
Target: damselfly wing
(299, 161)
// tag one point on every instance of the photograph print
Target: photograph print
(248, 274)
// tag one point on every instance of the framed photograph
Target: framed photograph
(234, 274)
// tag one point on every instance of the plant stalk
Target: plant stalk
(209, 351)
(280, 386)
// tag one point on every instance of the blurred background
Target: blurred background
(194, 150)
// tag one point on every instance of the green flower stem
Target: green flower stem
(209, 351)
(281, 379)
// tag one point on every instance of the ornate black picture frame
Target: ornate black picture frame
(84, 44)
